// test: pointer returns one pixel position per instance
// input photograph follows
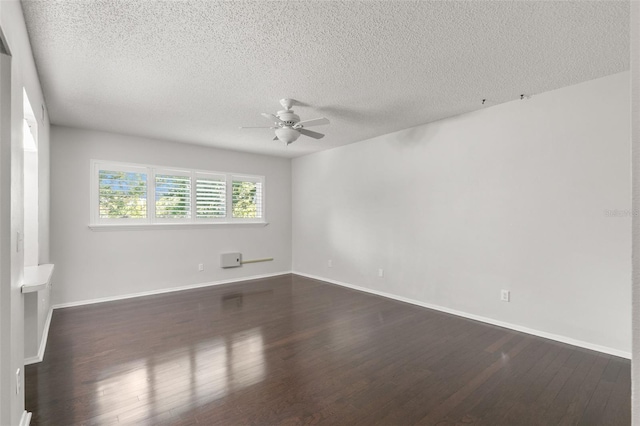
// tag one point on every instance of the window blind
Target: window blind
(247, 199)
(173, 196)
(127, 193)
(122, 194)
(211, 198)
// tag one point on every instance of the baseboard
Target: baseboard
(25, 419)
(43, 341)
(167, 290)
(551, 336)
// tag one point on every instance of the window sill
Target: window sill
(157, 226)
(37, 278)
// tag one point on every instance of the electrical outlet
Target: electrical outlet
(330, 263)
(505, 295)
(381, 272)
(200, 267)
(18, 381)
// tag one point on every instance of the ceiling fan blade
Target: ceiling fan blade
(272, 117)
(258, 127)
(314, 122)
(311, 134)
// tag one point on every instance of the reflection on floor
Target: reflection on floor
(291, 350)
(207, 371)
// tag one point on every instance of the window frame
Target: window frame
(95, 192)
(151, 221)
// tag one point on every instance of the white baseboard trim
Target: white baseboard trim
(167, 290)
(43, 341)
(551, 336)
(25, 419)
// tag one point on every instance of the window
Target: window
(122, 194)
(211, 196)
(140, 194)
(247, 197)
(173, 195)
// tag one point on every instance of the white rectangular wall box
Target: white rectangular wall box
(230, 260)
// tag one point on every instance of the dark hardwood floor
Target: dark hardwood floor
(291, 350)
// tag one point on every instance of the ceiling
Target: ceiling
(194, 71)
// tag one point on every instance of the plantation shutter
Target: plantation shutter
(136, 195)
(173, 195)
(122, 194)
(247, 197)
(211, 194)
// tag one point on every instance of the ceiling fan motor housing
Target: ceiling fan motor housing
(289, 118)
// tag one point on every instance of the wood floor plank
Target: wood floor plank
(290, 350)
(492, 403)
(618, 409)
(581, 399)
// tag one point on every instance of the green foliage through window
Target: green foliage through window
(140, 194)
(247, 199)
(173, 196)
(122, 195)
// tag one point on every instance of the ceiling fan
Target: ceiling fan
(288, 126)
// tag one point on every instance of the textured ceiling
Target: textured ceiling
(194, 71)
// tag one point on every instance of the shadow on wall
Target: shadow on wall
(414, 136)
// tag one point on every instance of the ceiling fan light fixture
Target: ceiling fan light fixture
(288, 126)
(287, 134)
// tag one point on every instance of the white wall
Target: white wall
(635, 96)
(23, 74)
(511, 197)
(92, 265)
(6, 289)
(31, 252)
